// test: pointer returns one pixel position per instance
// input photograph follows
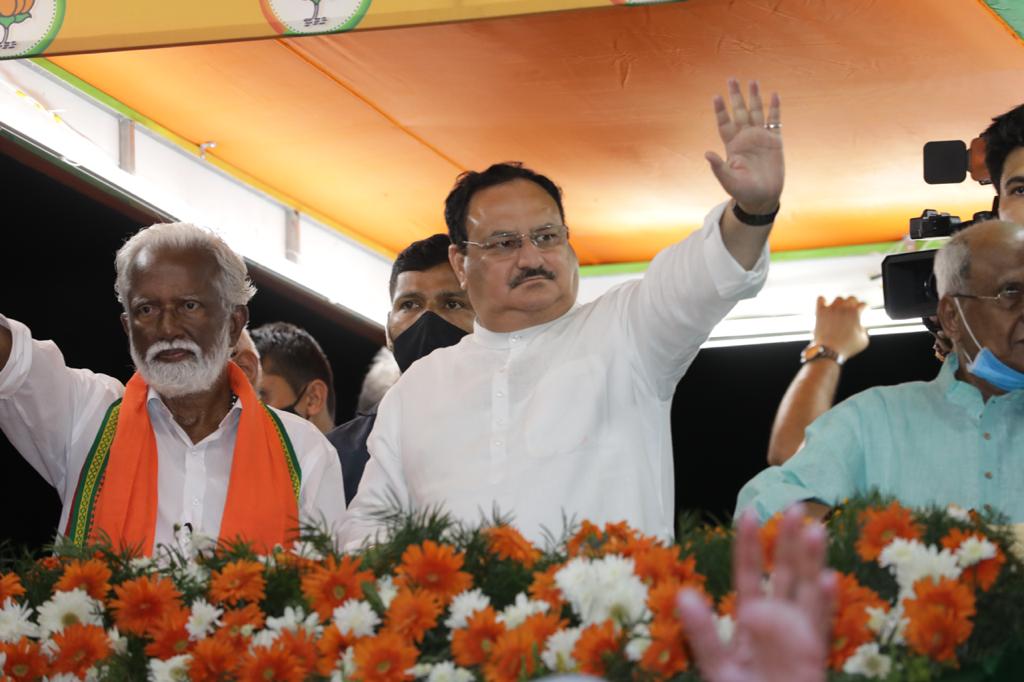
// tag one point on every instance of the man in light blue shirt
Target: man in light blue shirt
(957, 439)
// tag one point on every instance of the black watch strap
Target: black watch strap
(753, 219)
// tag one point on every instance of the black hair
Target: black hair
(295, 356)
(469, 183)
(419, 256)
(1004, 135)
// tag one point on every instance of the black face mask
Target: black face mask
(426, 335)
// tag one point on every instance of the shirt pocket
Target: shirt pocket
(567, 408)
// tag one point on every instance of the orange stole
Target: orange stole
(263, 488)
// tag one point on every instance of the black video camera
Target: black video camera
(908, 284)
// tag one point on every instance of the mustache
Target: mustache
(182, 344)
(527, 273)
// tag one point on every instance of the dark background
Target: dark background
(59, 237)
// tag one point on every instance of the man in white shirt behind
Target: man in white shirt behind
(551, 410)
(138, 463)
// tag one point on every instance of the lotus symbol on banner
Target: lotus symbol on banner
(13, 12)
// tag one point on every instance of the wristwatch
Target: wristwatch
(817, 351)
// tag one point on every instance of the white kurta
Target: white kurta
(51, 414)
(565, 420)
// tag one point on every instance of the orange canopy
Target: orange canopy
(369, 129)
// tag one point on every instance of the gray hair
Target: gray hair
(953, 266)
(382, 375)
(232, 279)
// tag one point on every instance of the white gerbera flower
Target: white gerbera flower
(204, 619)
(386, 590)
(306, 550)
(142, 564)
(910, 561)
(958, 513)
(15, 622)
(725, 626)
(172, 670)
(118, 642)
(557, 654)
(68, 608)
(465, 605)
(514, 614)
(636, 648)
(604, 588)
(447, 671)
(264, 639)
(868, 661)
(356, 618)
(974, 550)
(62, 677)
(295, 618)
(420, 670)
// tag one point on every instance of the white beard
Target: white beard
(186, 377)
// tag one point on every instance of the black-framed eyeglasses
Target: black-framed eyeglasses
(507, 243)
(1010, 298)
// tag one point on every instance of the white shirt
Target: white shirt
(51, 414)
(569, 419)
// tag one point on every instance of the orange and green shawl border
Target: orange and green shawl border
(80, 519)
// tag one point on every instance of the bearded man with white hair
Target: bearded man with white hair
(957, 439)
(186, 444)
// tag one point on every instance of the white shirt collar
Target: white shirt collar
(503, 340)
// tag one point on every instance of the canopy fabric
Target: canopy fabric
(51, 27)
(370, 128)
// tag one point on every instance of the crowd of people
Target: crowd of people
(499, 391)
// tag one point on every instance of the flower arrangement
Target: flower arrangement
(928, 594)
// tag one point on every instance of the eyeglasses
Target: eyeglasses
(507, 243)
(1009, 298)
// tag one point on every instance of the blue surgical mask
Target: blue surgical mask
(986, 366)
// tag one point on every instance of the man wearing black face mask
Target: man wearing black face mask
(429, 310)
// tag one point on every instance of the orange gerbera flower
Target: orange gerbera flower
(92, 576)
(238, 581)
(508, 543)
(79, 647)
(982, 574)
(540, 626)
(10, 587)
(330, 648)
(768, 534)
(473, 644)
(300, 644)
(665, 656)
(661, 600)
(940, 618)
(543, 587)
(587, 541)
(384, 658)
(617, 536)
(596, 643)
(25, 660)
(878, 527)
(850, 627)
(213, 659)
(412, 613)
(333, 583)
(170, 638)
(236, 623)
(49, 562)
(513, 658)
(273, 664)
(727, 605)
(141, 604)
(434, 568)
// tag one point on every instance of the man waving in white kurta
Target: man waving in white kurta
(550, 409)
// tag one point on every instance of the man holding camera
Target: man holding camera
(956, 439)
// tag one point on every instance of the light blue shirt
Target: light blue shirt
(924, 442)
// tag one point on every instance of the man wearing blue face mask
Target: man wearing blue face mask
(428, 311)
(956, 439)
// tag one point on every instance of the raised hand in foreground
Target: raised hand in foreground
(781, 632)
